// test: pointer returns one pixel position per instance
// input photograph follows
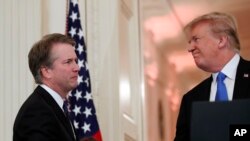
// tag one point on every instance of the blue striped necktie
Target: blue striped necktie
(221, 94)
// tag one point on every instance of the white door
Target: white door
(130, 72)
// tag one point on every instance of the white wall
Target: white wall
(19, 28)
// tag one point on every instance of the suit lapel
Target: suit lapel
(56, 109)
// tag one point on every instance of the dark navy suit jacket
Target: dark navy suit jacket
(202, 93)
(41, 119)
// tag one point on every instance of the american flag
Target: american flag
(81, 110)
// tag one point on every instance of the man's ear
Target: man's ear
(223, 40)
(45, 72)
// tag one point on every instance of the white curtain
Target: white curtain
(19, 28)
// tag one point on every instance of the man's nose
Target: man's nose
(76, 67)
(191, 47)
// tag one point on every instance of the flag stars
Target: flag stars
(87, 82)
(72, 31)
(76, 124)
(78, 95)
(80, 34)
(79, 79)
(87, 112)
(73, 16)
(74, 2)
(88, 96)
(80, 63)
(80, 49)
(86, 127)
(69, 95)
(76, 110)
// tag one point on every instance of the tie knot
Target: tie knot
(221, 76)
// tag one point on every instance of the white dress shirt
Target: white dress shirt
(230, 71)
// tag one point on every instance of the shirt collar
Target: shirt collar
(54, 94)
(230, 68)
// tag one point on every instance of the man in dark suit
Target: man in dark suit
(215, 46)
(42, 117)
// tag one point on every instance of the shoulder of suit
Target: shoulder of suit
(201, 86)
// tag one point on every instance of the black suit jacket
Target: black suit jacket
(41, 119)
(202, 93)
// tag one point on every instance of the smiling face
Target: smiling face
(204, 46)
(62, 75)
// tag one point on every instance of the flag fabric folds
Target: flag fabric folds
(81, 110)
